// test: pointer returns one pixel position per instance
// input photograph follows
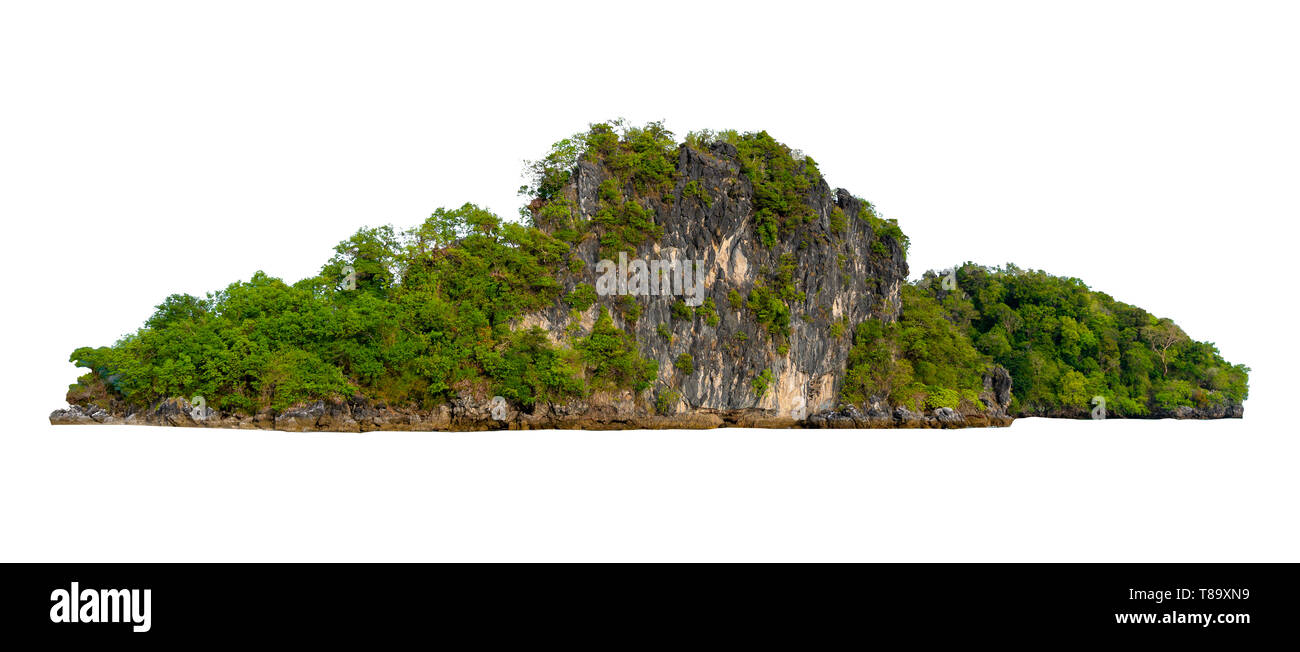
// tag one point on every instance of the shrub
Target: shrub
(695, 190)
(641, 156)
(839, 222)
(629, 308)
(782, 182)
(709, 311)
(666, 399)
(937, 397)
(769, 310)
(582, 297)
(882, 228)
(530, 369)
(557, 215)
(685, 364)
(625, 223)
(612, 359)
(680, 310)
(761, 383)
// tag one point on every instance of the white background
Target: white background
(153, 148)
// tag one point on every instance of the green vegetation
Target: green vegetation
(680, 310)
(685, 364)
(703, 139)
(838, 328)
(784, 278)
(430, 315)
(769, 310)
(558, 217)
(761, 383)
(413, 317)
(1064, 343)
(920, 361)
(582, 297)
(644, 157)
(666, 399)
(612, 357)
(839, 222)
(629, 309)
(642, 165)
(709, 311)
(782, 179)
(769, 299)
(695, 190)
(882, 229)
(627, 223)
(641, 162)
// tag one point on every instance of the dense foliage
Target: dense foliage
(921, 361)
(408, 318)
(642, 166)
(1064, 344)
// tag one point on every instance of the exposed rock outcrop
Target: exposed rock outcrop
(470, 413)
(840, 278)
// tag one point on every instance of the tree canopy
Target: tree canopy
(427, 311)
(1065, 343)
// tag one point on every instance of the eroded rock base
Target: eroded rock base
(467, 413)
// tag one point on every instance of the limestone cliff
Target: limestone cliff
(838, 280)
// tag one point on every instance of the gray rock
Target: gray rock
(300, 418)
(838, 274)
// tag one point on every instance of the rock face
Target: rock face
(840, 279)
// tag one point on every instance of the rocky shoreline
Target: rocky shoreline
(467, 413)
(1235, 411)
